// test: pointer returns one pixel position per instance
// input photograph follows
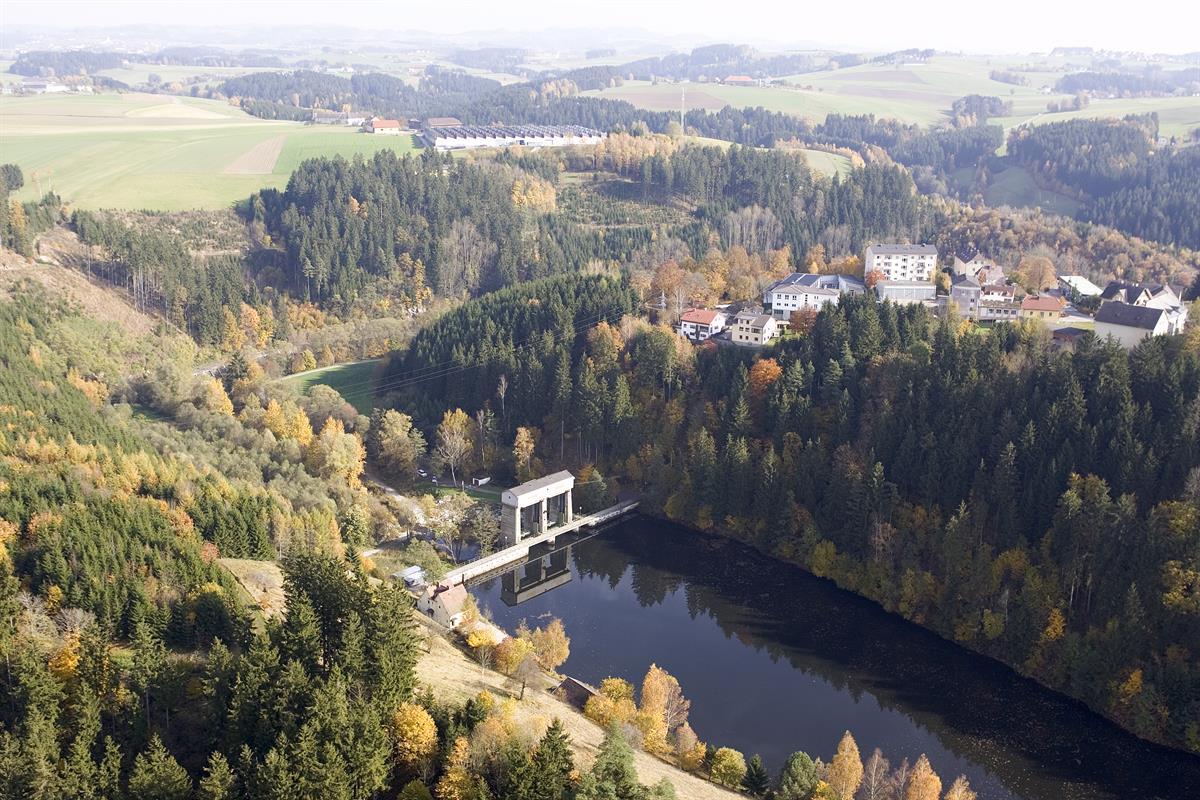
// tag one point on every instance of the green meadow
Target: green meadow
(160, 152)
(354, 381)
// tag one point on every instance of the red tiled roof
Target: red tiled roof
(1043, 302)
(385, 123)
(699, 316)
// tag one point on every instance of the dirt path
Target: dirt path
(450, 674)
(258, 160)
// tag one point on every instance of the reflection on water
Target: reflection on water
(775, 660)
(536, 577)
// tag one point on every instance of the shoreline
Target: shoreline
(757, 548)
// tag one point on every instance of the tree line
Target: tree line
(1153, 82)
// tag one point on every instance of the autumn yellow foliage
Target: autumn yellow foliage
(415, 736)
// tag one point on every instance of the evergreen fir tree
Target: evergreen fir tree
(156, 775)
(756, 781)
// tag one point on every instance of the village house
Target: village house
(1129, 324)
(1042, 306)
(1149, 295)
(965, 294)
(908, 292)
(698, 324)
(754, 328)
(443, 604)
(387, 127)
(739, 80)
(969, 261)
(902, 262)
(997, 303)
(801, 290)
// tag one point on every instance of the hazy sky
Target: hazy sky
(1007, 26)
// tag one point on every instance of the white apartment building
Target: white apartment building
(902, 262)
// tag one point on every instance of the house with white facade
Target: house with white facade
(801, 290)
(969, 261)
(698, 324)
(752, 327)
(386, 127)
(997, 303)
(1130, 324)
(902, 262)
(1149, 295)
(444, 604)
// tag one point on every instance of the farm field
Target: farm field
(915, 93)
(161, 153)
(354, 381)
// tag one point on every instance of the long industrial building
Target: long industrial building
(463, 137)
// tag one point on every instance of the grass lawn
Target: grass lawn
(828, 163)
(354, 381)
(161, 153)
(490, 493)
(1016, 187)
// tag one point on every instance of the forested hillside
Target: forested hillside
(1041, 508)
(466, 228)
(1115, 166)
(134, 664)
(123, 634)
(531, 334)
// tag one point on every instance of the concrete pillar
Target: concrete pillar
(542, 516)
(570, 512)
(510, 525)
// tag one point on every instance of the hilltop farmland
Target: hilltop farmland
(917, 93)
(159, 152)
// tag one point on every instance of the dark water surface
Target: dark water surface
(775, 660)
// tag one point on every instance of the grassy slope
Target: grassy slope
(157, 152)
(449, 673)
(353, 381)
(829, 163)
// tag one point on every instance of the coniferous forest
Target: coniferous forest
(1042, 508)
